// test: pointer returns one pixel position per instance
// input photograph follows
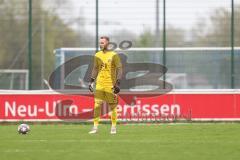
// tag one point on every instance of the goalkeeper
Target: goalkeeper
(106, 72)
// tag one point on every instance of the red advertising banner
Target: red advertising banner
(52, 106)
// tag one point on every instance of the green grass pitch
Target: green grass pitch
(196, 141)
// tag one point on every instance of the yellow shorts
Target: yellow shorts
(105, 93)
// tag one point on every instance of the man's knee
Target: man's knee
(98, 103)
(113, 106)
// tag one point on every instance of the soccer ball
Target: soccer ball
(23, 129)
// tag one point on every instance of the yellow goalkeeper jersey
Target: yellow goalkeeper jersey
(107, 63)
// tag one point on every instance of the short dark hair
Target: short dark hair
(105, 37)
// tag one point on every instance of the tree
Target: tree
(216, 31)
(175, 37)
(14, 29)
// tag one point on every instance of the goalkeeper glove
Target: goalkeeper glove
(91, 84)
(116, 87)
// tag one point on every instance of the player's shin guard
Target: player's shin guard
(114, 114)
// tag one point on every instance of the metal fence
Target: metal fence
(31, 30)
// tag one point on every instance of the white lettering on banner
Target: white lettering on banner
(164, 110)
(56, 108)
(62, 110)
(10, 108)
(20, 110)
(69, 110)
(147, 109)
(53, 113)
(175, 109)
(155, 109)
(73, 110)
(59, 108)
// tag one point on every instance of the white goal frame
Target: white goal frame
(12, 72)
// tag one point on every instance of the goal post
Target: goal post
(14, 79)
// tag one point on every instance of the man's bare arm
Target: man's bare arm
(93, 76)
(116, 87)
(94, 71)
(119, 73)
